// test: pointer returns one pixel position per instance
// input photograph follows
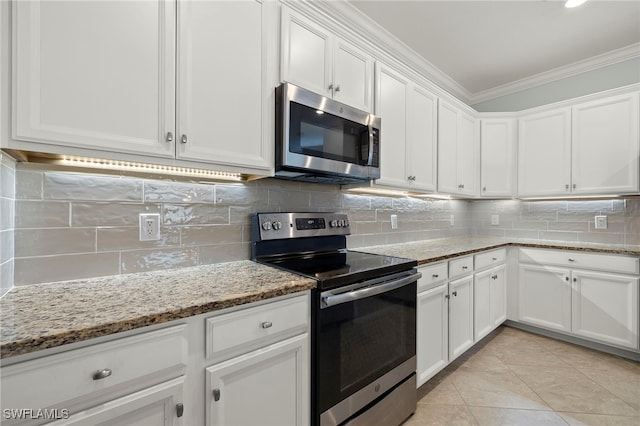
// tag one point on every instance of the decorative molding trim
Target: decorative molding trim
(609, 58)
(386, 44)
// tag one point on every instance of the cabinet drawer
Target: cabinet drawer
(239, 332)
(581, 260)
(461, 266)
(432, 275)
(490, 258)
(66, 380)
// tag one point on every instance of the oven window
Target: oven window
(360, 341)
(326, 136)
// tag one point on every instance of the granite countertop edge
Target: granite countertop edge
(173, 295)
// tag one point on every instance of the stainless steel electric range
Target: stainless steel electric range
(363, 325)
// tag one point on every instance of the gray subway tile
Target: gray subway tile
(212, 234)
(558, 235)
(7, 213)
(6, 245)
(158, 259)
(590, 206)
(84, 186)
(240, 195)
(6, 277)
(224, 253)
(177, 192)
(52, 241)
(41, 214)
(569, 226)
(381, 203)
(194, 214)
(601, 238)
(35, 270)
(366, 227)
(109, 214)
(29, 185)
(288, 200)
(128, 238)
(356, 201)
(327, 200)
(7, 181)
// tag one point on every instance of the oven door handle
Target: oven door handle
(328, 301)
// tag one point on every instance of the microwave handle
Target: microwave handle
(370, 156)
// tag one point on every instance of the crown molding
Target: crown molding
(609, 58)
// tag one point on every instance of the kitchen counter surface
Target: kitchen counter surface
(42, 316)
(445, 248)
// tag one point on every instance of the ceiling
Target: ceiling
(486, 46)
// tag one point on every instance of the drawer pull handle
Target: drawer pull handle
(179, 409)
(465, 267)
(494, 258)
(266, 324)
(216, 395)
(102, 374)
(571, 260)
(455, 293)
(435, 275)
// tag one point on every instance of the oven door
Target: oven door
(366, 338)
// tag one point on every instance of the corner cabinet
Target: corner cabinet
(590, 148)
(457, 151)
(158, 79)
(408, 147)
(316, 59)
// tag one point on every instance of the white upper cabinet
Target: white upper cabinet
(316, 59)
(497, 141)
(408, 135)
(457, 150)
(221, 83)
(96, 75)
(544, 154)
(606, 145)
(106, 76)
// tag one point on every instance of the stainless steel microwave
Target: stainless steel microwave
(322, 140)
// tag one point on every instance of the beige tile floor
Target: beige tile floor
(517, 378)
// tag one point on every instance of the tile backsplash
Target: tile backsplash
(59, 225)
(79, 225)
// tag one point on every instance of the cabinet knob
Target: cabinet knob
(330, 88)
(337, 89)
(446, 296)
(571, 260)
(411, 178)
(484, 189)
(455, 293)
(435, 275)
(465, 267)
(494, 258)
(575, 280)
(574, 186)
(169, 137)
(566, 278)
(566, 187)
(183, 139)
(102, 374)
(179, 409)
(216, 395)
(266, 324)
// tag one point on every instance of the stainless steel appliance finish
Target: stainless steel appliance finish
(363, 324)
(322, 140)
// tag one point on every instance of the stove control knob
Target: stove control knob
(276, 225)
(341, 223)
(346, 223)
(266, 226)
(333, 223)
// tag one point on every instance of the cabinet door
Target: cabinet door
(460, 316)
(498, 296)
(467, 154)
(269, 386)
(391, 106)
(447, 148)
(306, 53)
(544, 297)
(221, 83)
(605, 308)
(156, 406)
(96, 75)
(605, 146)
(432, 346)
(496, 158)
(544, 155)
(483, 323)
(422, 134)
(352, 76)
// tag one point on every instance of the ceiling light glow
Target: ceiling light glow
(573, 3)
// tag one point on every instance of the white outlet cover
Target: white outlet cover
(601, 222)
(394, 221)
(495, 219)
(452, 220)
(149, 226)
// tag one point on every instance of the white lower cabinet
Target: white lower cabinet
(489, 292)
(460, 316)
(260, 374)
(264, 387)
(158, 406)
(432, 342)
(599, 305)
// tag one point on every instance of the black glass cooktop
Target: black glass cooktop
(334, 269)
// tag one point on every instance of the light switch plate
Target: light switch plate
(601, 222)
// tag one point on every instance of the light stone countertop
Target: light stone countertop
(430, 251)
(42, 316)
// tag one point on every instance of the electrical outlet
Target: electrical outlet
(452, 220)
(495, 219)
(149, 226)
(601, 222)
(394, 221)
